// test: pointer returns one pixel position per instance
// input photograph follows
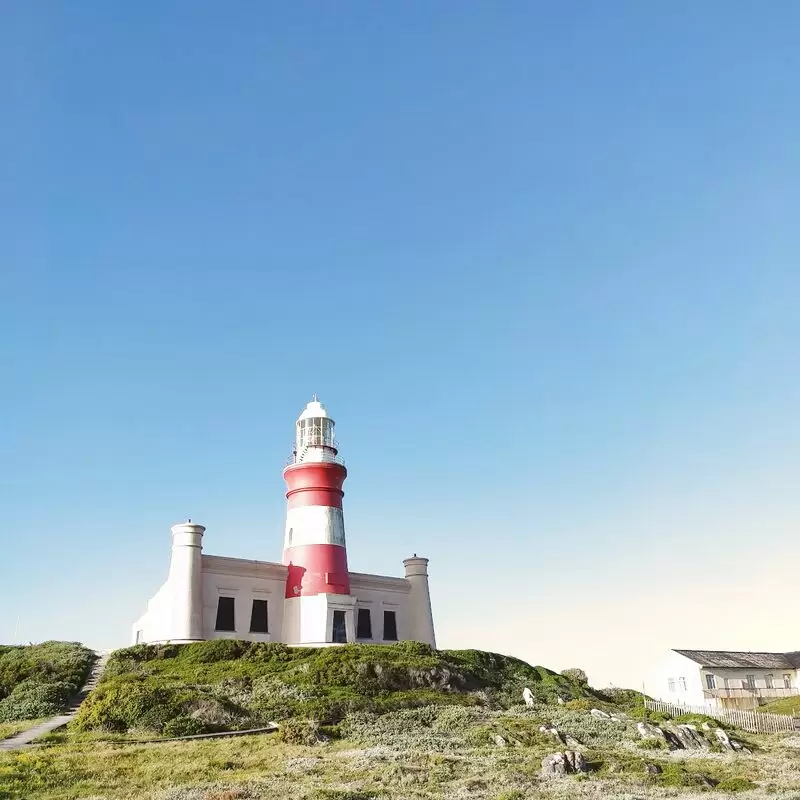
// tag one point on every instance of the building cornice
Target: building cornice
(361, 580)
(245, 567)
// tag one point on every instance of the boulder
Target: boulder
(551, 730)
(559, 765)
(689, 738)
(499, 740)
(577, 763)
(554, 766)
(648, 731)
(598, 714)
(652, 769)
(723, 738)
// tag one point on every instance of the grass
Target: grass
(432, 753)
(784, 705)
(224, 685)
(8, 729)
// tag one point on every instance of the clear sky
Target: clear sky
(540, 260)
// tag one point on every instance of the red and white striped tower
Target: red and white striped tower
(318, 608)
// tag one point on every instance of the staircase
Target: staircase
(26, 738)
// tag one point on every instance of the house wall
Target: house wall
(244, 581)
(675, 666)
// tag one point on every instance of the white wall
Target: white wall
(675, 666)
(380, 593)
(244, 581)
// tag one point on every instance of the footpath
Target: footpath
(26, 738)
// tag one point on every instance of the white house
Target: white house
(311, 597)
(726, 678)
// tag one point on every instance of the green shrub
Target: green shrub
(183, 725)
(654, 744)
(300, 731)
(735, 785)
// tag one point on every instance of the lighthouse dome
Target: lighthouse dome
(314, 409)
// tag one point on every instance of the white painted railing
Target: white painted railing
(753, 721)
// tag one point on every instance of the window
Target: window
(787, 681)
(339, 628)
(711, 682)
(768, 681)
(749, 682)
(671, 684)
(259, 618)
(389, 626)
(364, 630)
(225, 614)
(682, 684)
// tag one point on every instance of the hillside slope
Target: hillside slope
(233, 685)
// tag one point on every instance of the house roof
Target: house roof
(734, 659)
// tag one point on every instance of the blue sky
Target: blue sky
(539, 259)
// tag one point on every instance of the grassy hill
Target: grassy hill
(38, 680)
(225, 685)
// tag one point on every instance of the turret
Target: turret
(185, 582)
(419, 606)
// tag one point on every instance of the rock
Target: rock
(577, 763)
(527, 696)
(554, 766)
(554, 732)
(620, 717)
(561, 701)
(499, 740)
(652, 769)
(706, 727)
(706, 781)
(648, 731)
(598, 714)
(558, 765)
(690, 739)
(573, 743)
(723, 738)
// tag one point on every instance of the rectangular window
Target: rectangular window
(389, 626)
(225, 614)
(787, 681)
(682, 684)
(769, 682)
(671, 684)
(364, 630)
(339, 633)
(711, 682)
(259, 618)
(749, 682)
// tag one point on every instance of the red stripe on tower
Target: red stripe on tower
(314, 545)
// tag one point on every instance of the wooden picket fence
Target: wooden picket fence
(753, 721)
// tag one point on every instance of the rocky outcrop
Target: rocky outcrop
(527, 696)
(554, 732)
(559, 765)
(689, 738)
(598, 714)
(648, 731)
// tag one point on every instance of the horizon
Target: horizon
(538, 260)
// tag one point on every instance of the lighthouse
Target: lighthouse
(318, 606)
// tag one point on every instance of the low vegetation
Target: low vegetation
(38, 680)
(400, 722)
(224, 685)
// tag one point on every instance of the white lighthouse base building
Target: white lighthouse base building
(311, 599)
(235, 598)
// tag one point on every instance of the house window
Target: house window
(682, 684)
(225, 614)
(749, 682)
(389, 626)
(768, 681)
(671, 684)
(364, 630)
(259, 618)
(339, 628)
(787, 681)
(711, 682)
